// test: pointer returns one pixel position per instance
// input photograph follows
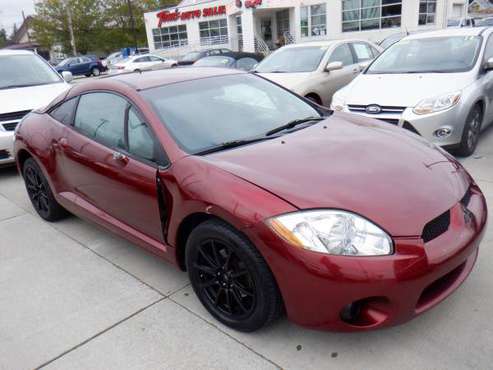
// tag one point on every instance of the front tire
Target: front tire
(470, 135)
(40, 193)
(231, 278)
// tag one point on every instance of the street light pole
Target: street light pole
(132, 23)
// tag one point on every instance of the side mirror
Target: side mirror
(334, 66)
(488, 65)
(67, 76)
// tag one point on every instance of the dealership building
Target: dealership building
(263, 25)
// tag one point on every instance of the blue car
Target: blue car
(83, 65)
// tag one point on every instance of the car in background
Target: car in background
(484, 22)
(192, 57)
(392, 39)
(237, 60)
(435, 84)
(139, 63)
(316, 70)
(270, 202)
(27, 82)
(81, 66)
(461, 22)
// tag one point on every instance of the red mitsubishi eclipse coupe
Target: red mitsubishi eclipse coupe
(270, 202)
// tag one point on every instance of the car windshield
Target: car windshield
(429, 55)
(453, 22)
(391, 40)
(25, 70)
(224, 109)
(64, 62)
(216, 61)
(291, 60)
(487, 22)
(190, 57)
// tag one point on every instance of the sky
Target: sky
(11, 12)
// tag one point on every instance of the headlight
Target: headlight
(337, 104)
(437, 104)
(333, 232)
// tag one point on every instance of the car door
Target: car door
(157, 63)
(85, 65)
(335, 80)
(141, 63)
(75, 66)
(486, 80)
(100, 168)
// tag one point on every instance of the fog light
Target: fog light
(443, 132)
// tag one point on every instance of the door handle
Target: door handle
(63, 142)
(117, 156)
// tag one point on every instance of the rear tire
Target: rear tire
(95, 72)
(40, 193)
(472, 130)
(231, 278)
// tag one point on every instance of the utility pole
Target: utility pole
(132, 22)
(70, 28)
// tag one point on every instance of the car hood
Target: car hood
(381, 172)
(29, 98)
(402, 90)
(287, 80)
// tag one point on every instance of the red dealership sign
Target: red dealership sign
(167, 16)
(252, 3)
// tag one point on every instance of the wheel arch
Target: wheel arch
(22, 156)
(314, 96)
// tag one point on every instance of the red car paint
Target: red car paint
(346, 162)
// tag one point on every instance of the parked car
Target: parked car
(142, 63)
(484, 22)
(435, 84)
(318, 69)
(192, 57)
(238, 60)
(461, 22)
(83, 65)
(27, 82)
(269, 201)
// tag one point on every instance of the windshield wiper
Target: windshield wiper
(293, 124)
(232, 144)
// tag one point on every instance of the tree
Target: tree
(3, 38)
(99, 25)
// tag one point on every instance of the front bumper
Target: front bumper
(318, 289)
(426, 125)
(6, 147)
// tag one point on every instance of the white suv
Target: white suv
(27, 82)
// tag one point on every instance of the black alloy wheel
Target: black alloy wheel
(40, 193)
(472, 130)
(231, 278)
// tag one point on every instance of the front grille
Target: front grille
(4, 154)
(392, 121)
(10, 126)
(384, 109)
(13, 116)
(436, 227)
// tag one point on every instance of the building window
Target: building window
(427, 12)
(170, 37)
(361, 15)
(214, 32)
(313, 20)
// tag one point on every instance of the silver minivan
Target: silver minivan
(437, 84)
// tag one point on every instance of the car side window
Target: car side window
(363, 51)
(101, 116)
(140, 140)
(64, 112)
(342, 54)
(215, 52)
(376, 53)
(155, 59)
(488, 49)
(246, 64)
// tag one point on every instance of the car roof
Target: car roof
(464, 31)
(323, 43)
(150, 79)
(15, 52)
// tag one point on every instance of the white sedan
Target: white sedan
(142, 63)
